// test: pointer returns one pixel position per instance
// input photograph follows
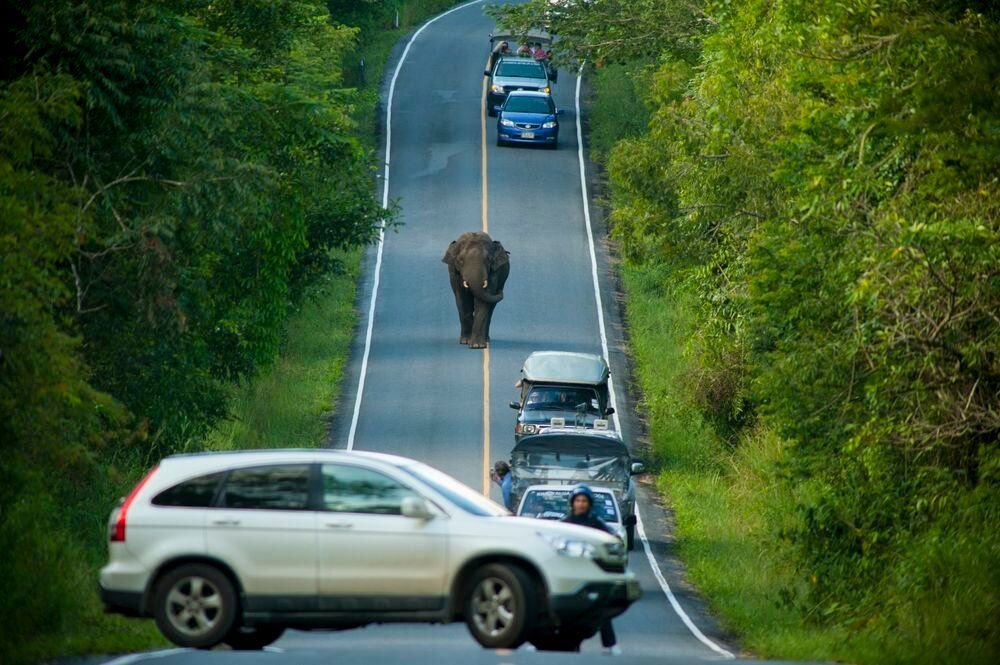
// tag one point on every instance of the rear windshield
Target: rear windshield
(524, 70)
(525, 104)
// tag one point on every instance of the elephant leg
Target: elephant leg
(481, 325)
(489, 318)
(478, 338)
(464, 302)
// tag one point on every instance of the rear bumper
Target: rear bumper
(595, 602)
(127, 603)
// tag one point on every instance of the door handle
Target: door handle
(340, 525)
(226, 522)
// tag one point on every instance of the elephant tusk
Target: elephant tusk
(465, 284)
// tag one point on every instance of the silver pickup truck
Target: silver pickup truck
(514, 73)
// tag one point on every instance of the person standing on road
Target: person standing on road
(505, 479)
(581, 503)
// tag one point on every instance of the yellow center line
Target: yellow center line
(486, 351)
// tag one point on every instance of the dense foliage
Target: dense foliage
(174, 175)
(823, 174)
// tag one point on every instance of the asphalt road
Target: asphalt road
(425, 396)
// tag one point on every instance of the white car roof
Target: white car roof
(565, 367)
(188, 465)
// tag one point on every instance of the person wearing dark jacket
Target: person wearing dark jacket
(581, 503)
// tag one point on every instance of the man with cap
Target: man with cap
(581, 503)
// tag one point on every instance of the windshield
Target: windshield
(526, 104)
(544, 402)
(554, 504)
(462, 496)
(524, 70)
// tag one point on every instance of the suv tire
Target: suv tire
(500, 606)
(253, 638)
(195, 606)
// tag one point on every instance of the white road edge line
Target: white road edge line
(137, 657)
(668, 592)
(381, 233)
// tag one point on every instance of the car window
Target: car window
(353, 489)
(194, 493)
(525, 70)
(280, 487)
(526, 104)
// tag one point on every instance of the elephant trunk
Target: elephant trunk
(484, 295)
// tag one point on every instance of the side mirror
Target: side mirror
(559, 111)
(608, 411)
(486, 72)
(415, 507)
(496, 109)
(637, 468)
(515, 405)
(629, 520)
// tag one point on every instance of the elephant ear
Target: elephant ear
(451, 256)
(500, 256)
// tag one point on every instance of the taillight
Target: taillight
(118, 532)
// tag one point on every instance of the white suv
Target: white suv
(235, 547)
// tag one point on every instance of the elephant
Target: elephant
(478, 267)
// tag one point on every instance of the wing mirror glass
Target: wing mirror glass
(415, 507)
(637, 468)
(515, 405)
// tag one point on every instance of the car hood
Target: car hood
(517, 81)
(536, 118)
(521, 524)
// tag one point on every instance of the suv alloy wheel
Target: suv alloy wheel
(500, 606)
(195, 606)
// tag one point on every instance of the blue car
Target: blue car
(528, 117)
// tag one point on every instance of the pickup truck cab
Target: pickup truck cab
(514, 73)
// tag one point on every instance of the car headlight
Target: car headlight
(529, 429)
(577, 549)
(549, 125)
(496, 88)
(506, 123)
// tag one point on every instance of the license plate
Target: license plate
(527, 135)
